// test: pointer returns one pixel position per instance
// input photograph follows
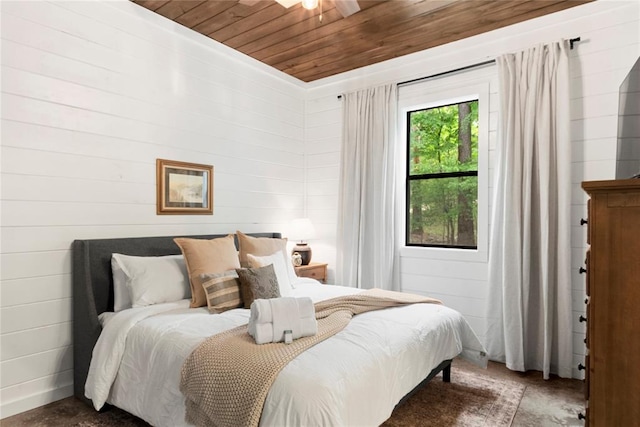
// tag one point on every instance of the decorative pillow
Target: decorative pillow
(258, 283)
(222, 291)
(206, 256)
(263, 246)
(278, 267)
(153, 280)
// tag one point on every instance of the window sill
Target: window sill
(445, 254)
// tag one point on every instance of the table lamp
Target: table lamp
(302, 230)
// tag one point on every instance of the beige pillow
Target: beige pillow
(222, 291)
(259, 246)
(258, 283)
(206, 256)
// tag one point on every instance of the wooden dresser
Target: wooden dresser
(612, 378)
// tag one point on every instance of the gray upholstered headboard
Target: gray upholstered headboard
(93, 288)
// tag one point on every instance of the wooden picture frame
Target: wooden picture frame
(183, 188)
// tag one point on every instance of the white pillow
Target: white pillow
(121, 297)
(284, 284)
(152, 280)
(291, 271)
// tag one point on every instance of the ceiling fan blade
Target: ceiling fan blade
(346, 7)
(288, 3)
(248, 2)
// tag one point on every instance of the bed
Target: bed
(356, 377)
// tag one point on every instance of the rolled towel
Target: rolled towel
(261, 318)
(261, 311)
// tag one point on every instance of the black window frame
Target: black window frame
(427, 176)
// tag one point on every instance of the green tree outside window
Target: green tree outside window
(442, 176)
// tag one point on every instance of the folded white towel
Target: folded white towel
(286, 316)
(271, 318)
(263, 333)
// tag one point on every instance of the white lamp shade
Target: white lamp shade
(302, 229)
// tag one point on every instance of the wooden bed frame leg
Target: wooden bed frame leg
(446, 374)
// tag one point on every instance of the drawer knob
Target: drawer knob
(583, 221)
(582, 318)
(581, 416)
(581, 367)
(582, 270)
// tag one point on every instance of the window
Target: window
(442, 175)
(439, 238)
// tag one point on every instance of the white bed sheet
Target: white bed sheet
(354, 378)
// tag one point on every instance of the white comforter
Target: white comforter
(354, 378)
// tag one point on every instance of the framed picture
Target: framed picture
(184, 188)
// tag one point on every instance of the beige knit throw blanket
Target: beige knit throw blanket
(226, 379)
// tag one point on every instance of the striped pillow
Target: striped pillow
(222, 291)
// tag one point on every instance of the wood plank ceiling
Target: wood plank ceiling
(296, 42)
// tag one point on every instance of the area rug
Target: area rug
(470, 399)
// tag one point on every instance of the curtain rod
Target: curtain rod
(466, 67)
(444, 73)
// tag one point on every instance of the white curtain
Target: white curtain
(530, 313)
(366, 239)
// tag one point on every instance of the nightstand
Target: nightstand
(315, 270)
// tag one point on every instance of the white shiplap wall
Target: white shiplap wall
(610, 34)
(92, 93)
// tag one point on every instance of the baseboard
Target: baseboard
(18, 406)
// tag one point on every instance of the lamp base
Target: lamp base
(305, 252)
